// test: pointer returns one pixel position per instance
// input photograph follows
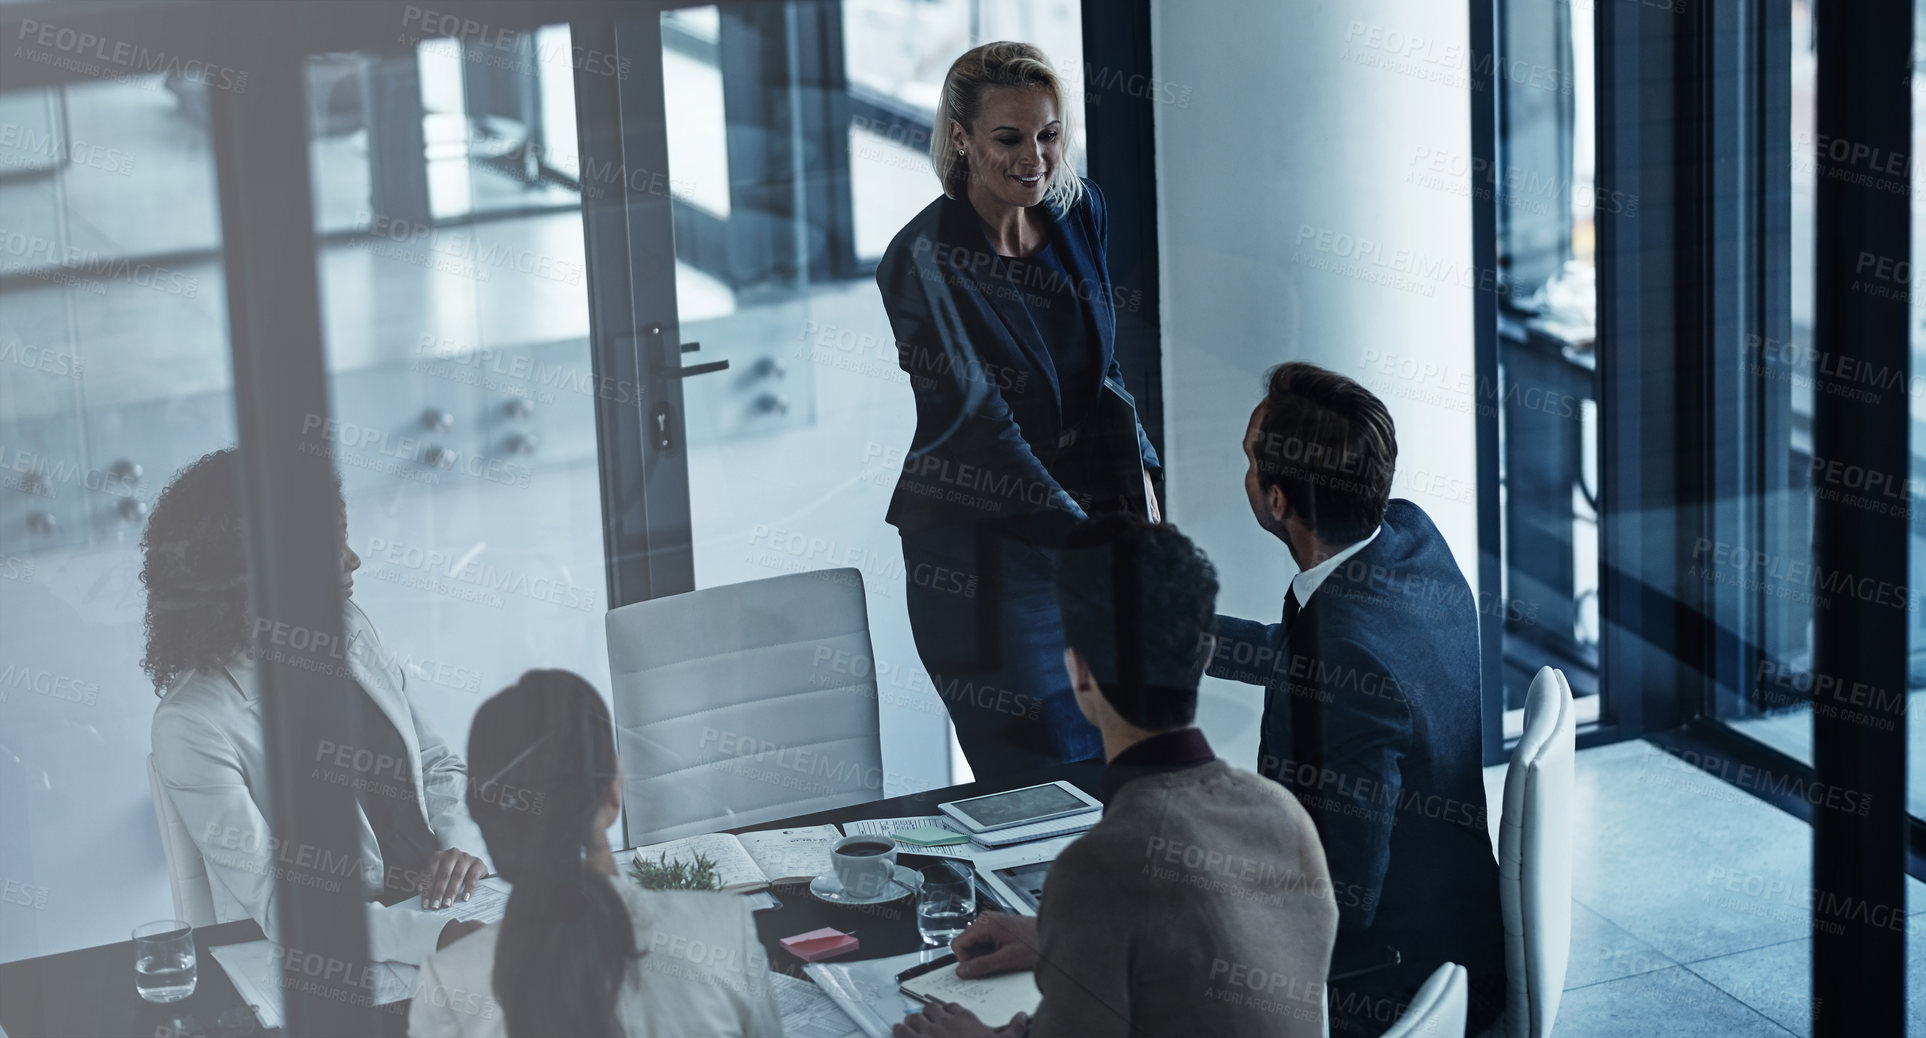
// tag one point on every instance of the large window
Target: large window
(1787, 690)
(1543, 181)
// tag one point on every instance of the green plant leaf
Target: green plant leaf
(663, 874)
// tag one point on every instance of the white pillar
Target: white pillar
(1313, 179)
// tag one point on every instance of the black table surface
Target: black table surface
(889, 928)
(89, 993)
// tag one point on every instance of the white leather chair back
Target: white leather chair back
(186, 869)
(1438, 1009)
(1535, 858)
(743, 704)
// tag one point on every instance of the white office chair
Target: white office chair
(1535, 859)
(1438, 1009)
(746, 703)
(186, 869)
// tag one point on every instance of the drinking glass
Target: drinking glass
(164, 964)
(946, 903)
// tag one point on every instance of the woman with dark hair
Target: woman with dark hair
(581, 951)
(210, 753)
(1005, 318)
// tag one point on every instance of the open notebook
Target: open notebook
(994, 999)
(753, 861)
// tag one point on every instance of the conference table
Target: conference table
(89, 993)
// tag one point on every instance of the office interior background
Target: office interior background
(1571, 243)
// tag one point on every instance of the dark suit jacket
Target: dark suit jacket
(989, 408)
(1371, 716)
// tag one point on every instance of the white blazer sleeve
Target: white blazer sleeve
(200, 769)
(444, 784)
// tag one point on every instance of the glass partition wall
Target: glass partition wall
(114, 372)
(1703, 376)
(474, 403)
(1785, 690)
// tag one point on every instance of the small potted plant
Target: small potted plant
(663, 874)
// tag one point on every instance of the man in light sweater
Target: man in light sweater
(1201, 903)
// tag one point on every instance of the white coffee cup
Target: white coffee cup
(864, 864)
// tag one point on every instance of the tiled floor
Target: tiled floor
(1689, 906)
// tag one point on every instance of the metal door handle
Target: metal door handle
(655, 331)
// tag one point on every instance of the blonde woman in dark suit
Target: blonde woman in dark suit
(999, 296)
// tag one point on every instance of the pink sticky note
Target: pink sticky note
(825, 943)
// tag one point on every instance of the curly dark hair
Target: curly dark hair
(195, 567)
(1137, 600)
(195, 570)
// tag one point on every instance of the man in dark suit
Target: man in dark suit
(1371, 703)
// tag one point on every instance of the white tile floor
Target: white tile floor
(1689, 905)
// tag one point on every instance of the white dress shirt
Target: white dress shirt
(1306, 583)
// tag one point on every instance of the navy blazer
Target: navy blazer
(989, 408)
(1371, 716)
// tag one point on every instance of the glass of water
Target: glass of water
(164, 965)
(946, 903)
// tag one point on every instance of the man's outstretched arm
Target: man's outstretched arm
(1246, 651)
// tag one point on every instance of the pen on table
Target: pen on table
(926, 967)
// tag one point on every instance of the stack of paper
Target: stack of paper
(807, 1012)
(256, 967)
(256, 970)
(891, 826)
(867, 990)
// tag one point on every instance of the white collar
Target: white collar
(1306, 583)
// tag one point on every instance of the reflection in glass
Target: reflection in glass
(114, 373)
(458, 352)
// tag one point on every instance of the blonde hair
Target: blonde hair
(1000, 64)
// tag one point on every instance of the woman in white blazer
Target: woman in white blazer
(581, 950)
(210, 749)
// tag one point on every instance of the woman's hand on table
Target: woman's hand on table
(997, 942)
(450, 873)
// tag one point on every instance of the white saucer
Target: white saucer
(828, 887)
